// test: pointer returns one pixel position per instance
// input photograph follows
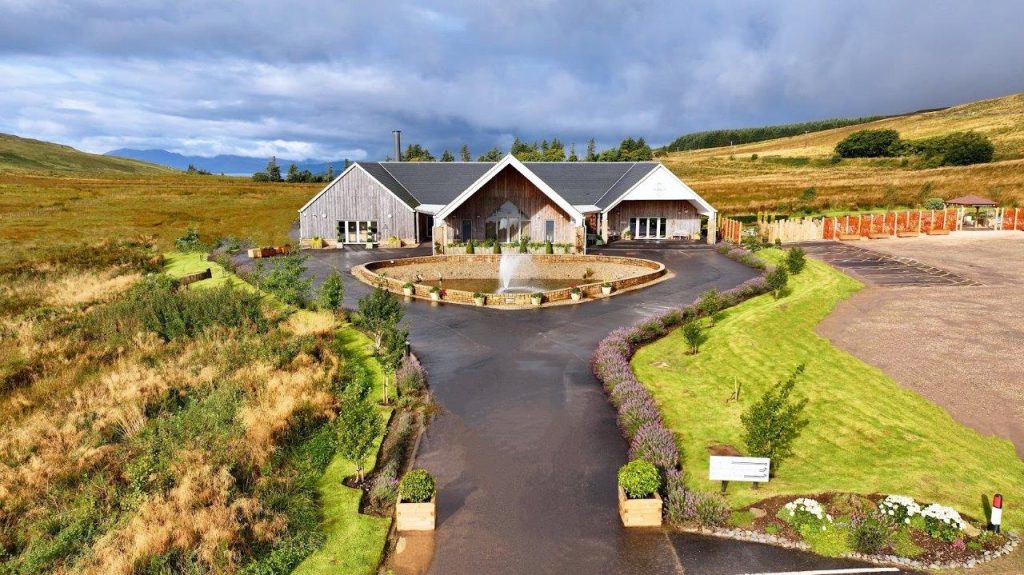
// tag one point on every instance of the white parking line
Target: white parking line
(834, 571)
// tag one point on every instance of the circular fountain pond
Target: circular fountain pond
(511, 280)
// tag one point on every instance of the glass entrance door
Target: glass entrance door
(649, 228)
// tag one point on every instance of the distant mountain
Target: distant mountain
(223, 164)
(26, 155)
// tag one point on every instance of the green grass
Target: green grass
(354, 541)
(867, 434)
(24, 154)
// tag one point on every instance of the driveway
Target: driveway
(525, 447)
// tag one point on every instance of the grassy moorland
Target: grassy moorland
(784, 167)
(148, 430)
(35, 156)
(866, 434)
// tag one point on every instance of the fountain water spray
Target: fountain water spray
(509, 269)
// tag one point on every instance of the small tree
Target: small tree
(390, 355)
(286, 279)
(773, 423)
(711, 304)
(777, 279)
(447, 156)
(358, 428)
(378, 312)
(464, 154)
(796, 260)
(332, 292)
(273, 171)
(934, 204)
(694, 335)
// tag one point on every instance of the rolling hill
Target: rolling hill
(222, 164)
(735, 183)
(23, 155)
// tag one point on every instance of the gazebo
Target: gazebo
(971, 201)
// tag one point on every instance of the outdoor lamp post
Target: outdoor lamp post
(997, 513)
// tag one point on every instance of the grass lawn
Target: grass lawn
(354, 542)
(867, 434)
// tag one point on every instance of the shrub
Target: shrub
(190, 242)
(828, 540)
(804, 512)
(417, 486)
(934, 204)
(548, 248)
(772, 424)
(796, 260)
(639, 479)
(410, 377)
(851, 505)
(285, 278)
(636, 412)
(656, 444)
(710, 304)
(777, 279)
(904, 546)
(384, 490)
(955, 149)
(694, 335)
(942, 522)
(331, 292)
(709, 509)
(869, 144)
(899, 509)
(870, 536)
(470, 247)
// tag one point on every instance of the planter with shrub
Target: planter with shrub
(479, 298)
(537, 298)
(416, 509)
(606, 288)
(639, 501)
(408, 289)
(435, 293)
(576, 293)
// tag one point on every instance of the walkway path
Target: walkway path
(525, 448)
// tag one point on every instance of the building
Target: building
(505, 201)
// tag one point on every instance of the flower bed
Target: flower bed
(882, 529)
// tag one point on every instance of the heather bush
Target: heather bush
(628, 389)
(870, 536)
(636, 412)
(675, 496)
(410, 377)
(656, 444)
(639, 479)
(710, 509)
(647, 331)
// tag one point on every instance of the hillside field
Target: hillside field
(19, 155)
(735, 183)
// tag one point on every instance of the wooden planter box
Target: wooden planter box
(639, 512)
(938, 232)
(849, 237)
(416, 516)
(907, 234)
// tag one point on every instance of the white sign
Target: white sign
(739, 469)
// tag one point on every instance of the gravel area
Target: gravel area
(959, 346)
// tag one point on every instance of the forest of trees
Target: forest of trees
(554, 150)
(717, 138)
(272, 173)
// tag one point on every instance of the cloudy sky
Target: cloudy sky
(331, 78)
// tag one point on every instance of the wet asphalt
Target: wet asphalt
(525, 448)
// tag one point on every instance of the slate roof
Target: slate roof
(579, 183)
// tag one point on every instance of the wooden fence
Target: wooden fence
(890, 224)
(730, 230)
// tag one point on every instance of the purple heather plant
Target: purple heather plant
(636, 412)
(654, 443)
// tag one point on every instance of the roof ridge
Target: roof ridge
(598, 201)
(395, 178)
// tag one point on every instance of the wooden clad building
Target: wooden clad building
(450, 203)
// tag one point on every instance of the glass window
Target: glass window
(549, 230)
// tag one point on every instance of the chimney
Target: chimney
(398, 144)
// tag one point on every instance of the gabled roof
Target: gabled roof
(584, 185)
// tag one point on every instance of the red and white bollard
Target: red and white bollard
(997, 513)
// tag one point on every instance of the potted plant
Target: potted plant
(479, 298)
(408, 289)
(639, 502)
(537, 298)
(627, 235)
(606, 288)
(435, 293)
(576, 293)
(416, 509)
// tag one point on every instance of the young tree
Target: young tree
(464, 154)
(711, 304)
(332, 292)
(572, 153)
(293, 176)
(359, 426)
(273, 171)
(694, 335)
(555, 151)
(796, 260)
(378, 312)
(447, 157)
(329, 176)
(391, 353)
(492, 155)
(591, 151)
(773, 423)
(286, 279)
(777, 279)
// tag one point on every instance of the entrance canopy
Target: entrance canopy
(972, 201)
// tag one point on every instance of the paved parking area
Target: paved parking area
(884, 269)
(956, 337)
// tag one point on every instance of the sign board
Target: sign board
(739, 469)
